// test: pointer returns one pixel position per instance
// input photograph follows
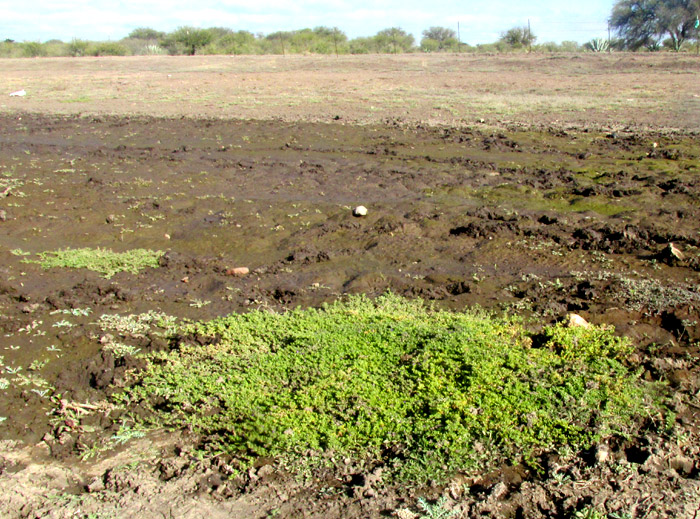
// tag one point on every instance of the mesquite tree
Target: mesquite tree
(644, 23)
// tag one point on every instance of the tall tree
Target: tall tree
(393, 40)
(146, 33)
(192, 38)
(644, 23)
(518, 37)
(439, 38)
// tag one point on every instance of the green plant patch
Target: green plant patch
(104, 261)
(425, 393)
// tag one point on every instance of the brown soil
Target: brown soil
(541, 220)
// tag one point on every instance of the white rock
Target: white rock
(602, 453)
(19, 93)
(360, 210)
(672, 250)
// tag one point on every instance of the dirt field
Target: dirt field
(541, 185)
(616, 90)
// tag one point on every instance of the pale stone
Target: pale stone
(238, 272)
(576, 321)
(360, 210)
(602, 453)
(672, 250)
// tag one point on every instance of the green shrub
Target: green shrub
(108, 48)
(33, 49)
(77, 48)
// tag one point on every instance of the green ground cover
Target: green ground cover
(426, 393)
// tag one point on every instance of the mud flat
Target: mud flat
(537, 220)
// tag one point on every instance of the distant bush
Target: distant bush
(77, 48)
(33, 49)
(108, 48)
(9, 49)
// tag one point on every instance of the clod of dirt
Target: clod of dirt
(683, 465)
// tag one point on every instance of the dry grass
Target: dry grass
(620, 89)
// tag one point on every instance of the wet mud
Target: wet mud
(542, 223)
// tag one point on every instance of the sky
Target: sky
(479, 21)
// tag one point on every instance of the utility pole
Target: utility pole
(459, 39)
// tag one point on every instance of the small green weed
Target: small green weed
(104, 261)
(588, 513)
(436, 511)
(427, 393)
(650, 294)
(139, 324)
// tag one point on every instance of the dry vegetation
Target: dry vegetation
(659, 91)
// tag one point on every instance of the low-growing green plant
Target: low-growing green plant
(139, 324)
(104, 261)
(588, 513)
(436, 511)
(651, 295)
(120, 350)
(425, 393)
(125, 434)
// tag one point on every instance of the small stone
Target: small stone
(110, 218)
(405, 513)
(3, 215)
(96, 485)
(498, 491)
(265, 470)
(576, 321)
(238, 272)
(186, 279)
(166, 236)
(30, 309)
(602, 453)
(359, 211)
(674, 252)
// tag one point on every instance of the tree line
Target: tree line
(319, 40)
(649, 25)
